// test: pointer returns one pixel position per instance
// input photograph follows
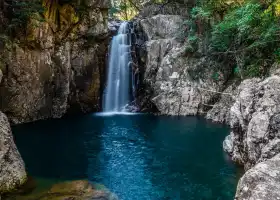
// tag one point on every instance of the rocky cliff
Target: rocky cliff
(50, 68)
(57, 67)
(174, 82)
(254, 139)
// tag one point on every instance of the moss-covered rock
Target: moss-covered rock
(74, 190)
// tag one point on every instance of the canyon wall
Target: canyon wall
(51, 68)
(176, 83)
(172, 81)
(56, 68)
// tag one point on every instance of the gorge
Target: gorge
(173, 59)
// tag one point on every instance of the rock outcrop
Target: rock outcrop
(12, 169)
(254, 140)
(261, 182)
(180, 83)
(56, 68)
(255, 121)
(74, 190)
(220, 112)
(177, 84)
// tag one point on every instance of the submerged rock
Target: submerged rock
(12, 169)
(77, 190)
(74, 190)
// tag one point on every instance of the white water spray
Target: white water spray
(118, 90)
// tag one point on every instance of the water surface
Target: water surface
(138, 157)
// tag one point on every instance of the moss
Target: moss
(74, 190)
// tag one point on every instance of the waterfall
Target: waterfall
(119, 89)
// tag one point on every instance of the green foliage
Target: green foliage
(191, 28)
(251, 31)
(22, 11)
(245, 33)
(127, 9)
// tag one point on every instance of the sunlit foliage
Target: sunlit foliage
(127, 9)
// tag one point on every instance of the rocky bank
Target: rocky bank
(51, 68)
(176, 83)
(254, 138)
(60, 69)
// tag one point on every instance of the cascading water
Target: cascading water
(118, 91)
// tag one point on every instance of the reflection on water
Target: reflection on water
(136, 156)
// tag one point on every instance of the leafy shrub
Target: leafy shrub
(21, 11)
(249, 32)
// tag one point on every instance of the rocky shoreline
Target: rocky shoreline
(251, 107)
(56, 78)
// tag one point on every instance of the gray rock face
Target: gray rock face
(255, 138)
(12, 173)
(170, 76)
(261, 182)
(59, 71)
(255, 121)
(161, 26)
(113, 26)
(220, 112)
(172, 8)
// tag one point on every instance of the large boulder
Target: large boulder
(261, 182)
(77, 190)
(74, 190)
(255, 121)
(254, 140)
(12, 173)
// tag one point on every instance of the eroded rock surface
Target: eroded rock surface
(74, 190)
(255, 121)
(261, 182)
(254, 140)
(220, 112)
(172, 79)
(59, 69)
(12, 169)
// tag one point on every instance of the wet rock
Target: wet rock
(228, 144)
(113, 26)
(74, 190)
(12, 169)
